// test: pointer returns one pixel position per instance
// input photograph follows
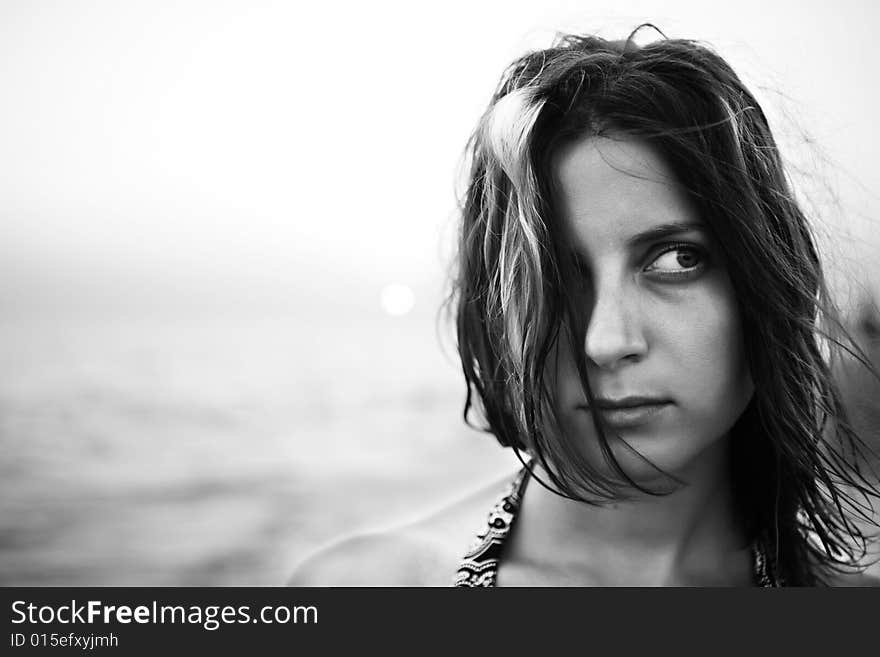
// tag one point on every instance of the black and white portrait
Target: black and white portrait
(472, 293)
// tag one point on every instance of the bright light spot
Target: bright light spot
(397, 299)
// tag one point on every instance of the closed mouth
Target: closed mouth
(602, 403)
(629, 412)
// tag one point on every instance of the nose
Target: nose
(614, 333)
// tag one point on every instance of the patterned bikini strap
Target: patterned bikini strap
(764, 567)
(479, 566)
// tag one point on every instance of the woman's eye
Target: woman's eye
(678, 260)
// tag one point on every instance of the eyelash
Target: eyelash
(684, 273)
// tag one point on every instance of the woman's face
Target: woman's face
(663, 344)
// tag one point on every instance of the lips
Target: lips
(629, 412)
(632, 401)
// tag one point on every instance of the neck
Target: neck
(688, 536)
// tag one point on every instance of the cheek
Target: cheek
(562, 376)
(712, 374)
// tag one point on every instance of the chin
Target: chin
(655, 459)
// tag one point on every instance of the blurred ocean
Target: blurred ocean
(219, 451)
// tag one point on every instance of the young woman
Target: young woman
(642, 317)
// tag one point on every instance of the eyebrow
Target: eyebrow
(653, 234)
(665, 230)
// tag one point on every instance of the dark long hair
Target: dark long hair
(795, 458)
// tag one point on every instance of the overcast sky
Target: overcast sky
(209, 152)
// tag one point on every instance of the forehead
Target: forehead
(609, 191)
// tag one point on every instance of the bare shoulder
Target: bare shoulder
(391, 558)
(424, 552)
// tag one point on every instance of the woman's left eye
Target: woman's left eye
(678, 260)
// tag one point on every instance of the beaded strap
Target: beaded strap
(479, 566)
